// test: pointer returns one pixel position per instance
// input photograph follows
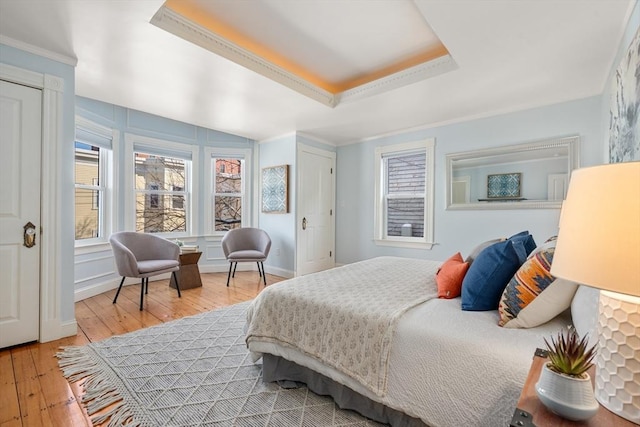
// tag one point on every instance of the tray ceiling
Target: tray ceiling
(329, 51)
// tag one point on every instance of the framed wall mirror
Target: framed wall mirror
(521, 176)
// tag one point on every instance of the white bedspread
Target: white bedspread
(447, 367)
(345, 317)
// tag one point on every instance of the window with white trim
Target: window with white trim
(404, 194)
(159, 191)
(227, 183)
(160, 183)
(93, 169)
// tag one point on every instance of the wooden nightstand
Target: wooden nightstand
(531, 412)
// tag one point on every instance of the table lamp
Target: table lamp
(599, 246)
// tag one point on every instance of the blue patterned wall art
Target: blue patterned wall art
(503, 185)
(275, 184)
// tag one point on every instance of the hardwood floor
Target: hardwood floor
(33, 391)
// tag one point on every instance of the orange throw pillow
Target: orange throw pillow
(449, 277)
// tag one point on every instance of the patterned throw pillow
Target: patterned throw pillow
(534, 296)
(449, 277)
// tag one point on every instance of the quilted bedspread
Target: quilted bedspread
(344, 317)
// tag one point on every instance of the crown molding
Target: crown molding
(38, 51)
(405, 77)
(178, 25)
(316, 139)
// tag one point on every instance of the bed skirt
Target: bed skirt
(287, 373)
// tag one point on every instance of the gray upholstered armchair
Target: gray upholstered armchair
(246, 245)
(144, 255)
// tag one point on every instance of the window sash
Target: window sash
(384, 197)
(98, 193)
(215, 194)
(247, 194)
(163, 199)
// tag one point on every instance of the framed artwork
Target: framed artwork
(275, 186)
(624, 120)
(503, 185)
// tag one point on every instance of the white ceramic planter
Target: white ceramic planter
(571, 398)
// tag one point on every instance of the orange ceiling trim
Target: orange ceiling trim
(211, 23)
(434, 52)
(195, 14)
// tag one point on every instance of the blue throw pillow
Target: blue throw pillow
(490, 273)
(527, 246)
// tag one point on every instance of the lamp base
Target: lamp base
(618, 359)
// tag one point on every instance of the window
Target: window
(93, 169)
(88, 191)
(226, 185)
(404, 194)
(158, 197)
(160, 182)
(228, 193)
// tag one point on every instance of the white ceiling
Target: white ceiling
(511, 55)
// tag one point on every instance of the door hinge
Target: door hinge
(331, 171)
(330, 211)
(330, 253)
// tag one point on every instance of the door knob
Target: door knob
(304, 223)
(29, 235)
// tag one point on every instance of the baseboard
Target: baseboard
(99, 288)
(49, 331)
(246, 266)
(288, 274)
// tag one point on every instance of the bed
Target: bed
(374, 336)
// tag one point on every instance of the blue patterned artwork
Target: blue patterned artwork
(503, 185)
(274, 189)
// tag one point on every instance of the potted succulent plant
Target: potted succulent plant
(565, 386)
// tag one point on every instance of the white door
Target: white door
(557, 186)
(461, 190)
(315, 217)
(20, 148)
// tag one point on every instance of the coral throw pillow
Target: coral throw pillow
(449, 277)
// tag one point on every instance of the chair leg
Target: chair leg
(118, 292)
(142, 291)
(259, 271)
(229, 275)
(234, 270)
(146, 286)
(175, 277)
(264, 275)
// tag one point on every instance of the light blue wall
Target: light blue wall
(460, 230)
(28, 61)
(94, 271)
(281, 227)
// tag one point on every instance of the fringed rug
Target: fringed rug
(194, 371)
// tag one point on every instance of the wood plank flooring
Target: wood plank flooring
(33, 391)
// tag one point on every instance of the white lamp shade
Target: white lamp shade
(599, 238)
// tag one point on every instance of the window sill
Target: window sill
(404, 244)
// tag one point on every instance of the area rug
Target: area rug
(194, 371)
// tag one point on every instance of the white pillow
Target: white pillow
(584, 311)
(552, 301)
